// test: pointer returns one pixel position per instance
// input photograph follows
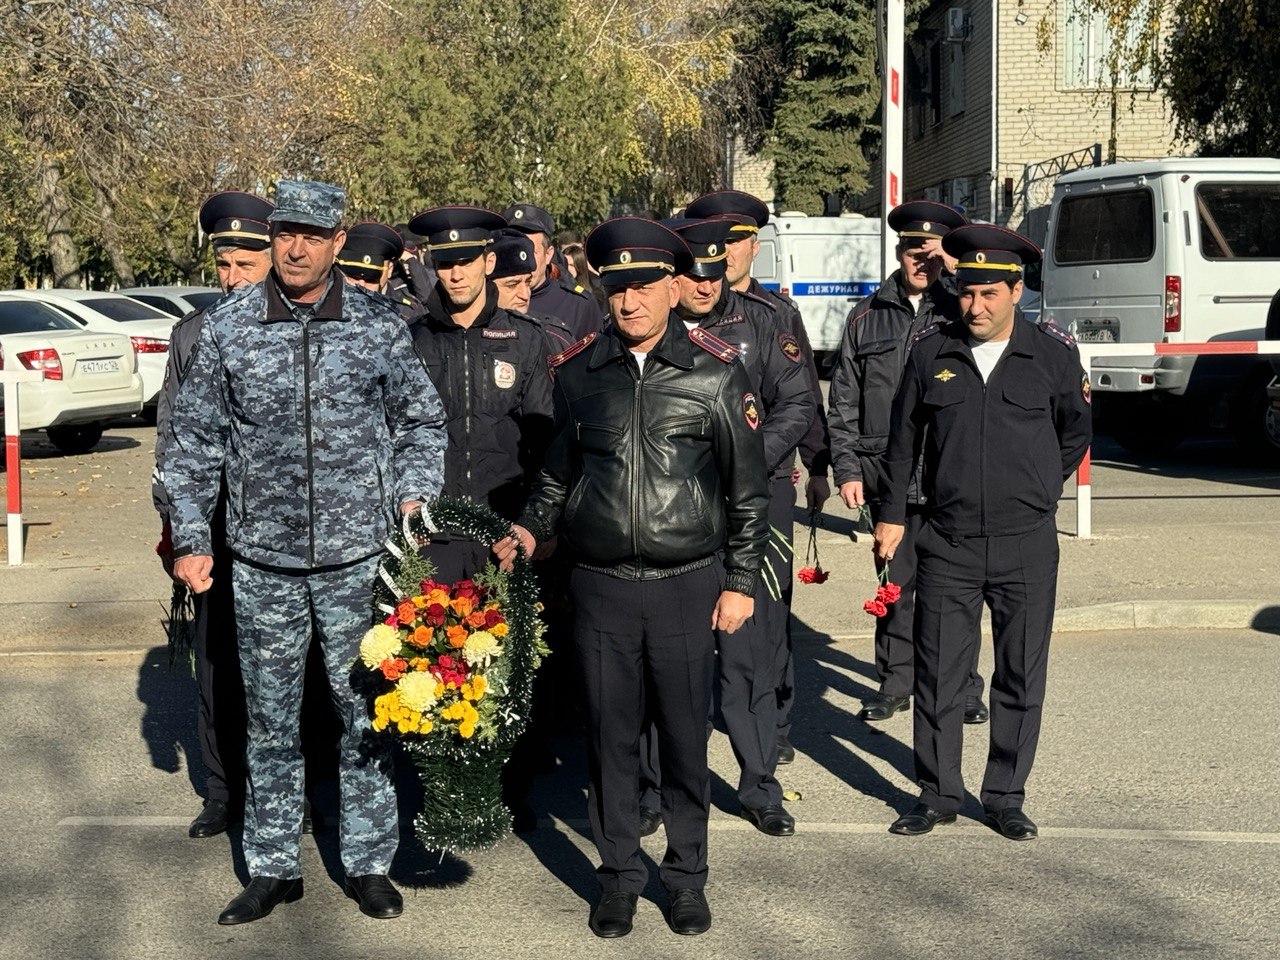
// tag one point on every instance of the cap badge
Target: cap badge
(368, 259)
(944, 376)
(980, 257)
(711, 250)
(519, 214)
(624, 256)
(927, 226)
(235, 224)
(523, 255)
(453, 234)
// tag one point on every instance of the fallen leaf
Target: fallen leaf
(791, 796)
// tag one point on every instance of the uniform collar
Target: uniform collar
(673, 348)
(1021, 338)
(279, 307)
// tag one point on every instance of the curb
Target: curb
(1134, 615)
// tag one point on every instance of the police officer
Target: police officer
(410, 273)
(554, 293)
(236, 224)
(868, 367)
(489, 366)
(785, 407)
(368, 257)
(306, 389)
(657, 468)
(514, 262)
(748, 215)
(1001, 410)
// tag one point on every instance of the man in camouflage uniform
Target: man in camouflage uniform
(236, 224)
(308, 391)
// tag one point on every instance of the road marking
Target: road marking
(726, 825)
(128, 651)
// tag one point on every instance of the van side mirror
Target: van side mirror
(1033, 277)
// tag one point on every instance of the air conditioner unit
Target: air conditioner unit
(958, 25)
(934, 194)
(962, 193)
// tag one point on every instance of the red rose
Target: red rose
(392, 620)
(445, 662)
(875, 607)
(465, 588)
(492, 618)
(434, 615)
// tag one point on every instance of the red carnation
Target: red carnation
(813, 575)
(876, 608)
(889, 593)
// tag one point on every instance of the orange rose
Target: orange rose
(438, 596)
(476, 618)
(457, 636)
(393, 669)
(421, 637)
(462, 606)
(406, 612)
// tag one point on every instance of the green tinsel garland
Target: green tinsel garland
(462, 805)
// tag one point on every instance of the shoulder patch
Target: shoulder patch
(748, 295)
(928, 331)
(713, 345)
(571, 351)
(790, 347)
(1055, 331)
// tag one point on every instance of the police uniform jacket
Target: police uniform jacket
(182, 344)
(568, 302)
(493, 380)
(815, 445)
(398, 292)
(996, 454)
(651, 474)
(868, 367)
(323, 417)
(776, 368)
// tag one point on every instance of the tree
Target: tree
(1219, 77)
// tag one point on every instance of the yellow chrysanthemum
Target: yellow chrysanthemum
(380, 723)
(378, 644)
(465, 730)
(479, 685)
(417, 691)
(499, 630)
(425, 726)
(481, 647)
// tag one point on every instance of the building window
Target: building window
(953, 58)
(935, 84)
(1087, 48)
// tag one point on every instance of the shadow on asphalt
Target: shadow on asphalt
(1212, 458)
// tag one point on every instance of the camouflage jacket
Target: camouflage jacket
(323, 417)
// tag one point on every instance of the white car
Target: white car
(89, 377)
(178, 301)
(146, 326)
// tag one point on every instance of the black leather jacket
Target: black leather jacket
(652, 474)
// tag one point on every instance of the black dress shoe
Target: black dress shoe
(786, 752)
(613, 914)
(690, 914)
(211, 821)
(975, 711)
(773, 820)
(310, 819)
(259, 898)
(920, 819)
(1013, 823)
(376, 896)
(883, 706)
(650, 820)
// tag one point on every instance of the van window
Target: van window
(1107, 227)
(1238, 220)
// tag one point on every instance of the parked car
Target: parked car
(825, 264)
(146, 326)
(175, 301)
(1175, 251)
(89, 376)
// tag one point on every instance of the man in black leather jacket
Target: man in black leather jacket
(656, 473)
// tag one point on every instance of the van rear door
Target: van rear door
(829, 274)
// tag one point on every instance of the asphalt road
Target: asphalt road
(1155, 790)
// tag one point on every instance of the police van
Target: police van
(825, 264)
(1174, 251)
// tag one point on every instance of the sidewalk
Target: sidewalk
(1189, 542)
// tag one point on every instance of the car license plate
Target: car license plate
(1098, 330)
(99, 366)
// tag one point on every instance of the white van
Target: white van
(825, 264)
(1176, 251)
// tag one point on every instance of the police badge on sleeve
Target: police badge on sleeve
(504, 374)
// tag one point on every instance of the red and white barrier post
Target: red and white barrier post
(13, 456)
(1084, 488)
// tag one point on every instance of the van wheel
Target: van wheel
(80, 438)
(1254, 421)
(1144, 425)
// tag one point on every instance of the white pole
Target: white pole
(893, 66)
(12, 457)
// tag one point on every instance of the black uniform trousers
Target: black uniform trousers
(220, 714)
(1017, 577)
(646, 650)
(895, 633)
(782, 505)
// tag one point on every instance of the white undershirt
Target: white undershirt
(640, 358)
(915, 302)
(987, 355)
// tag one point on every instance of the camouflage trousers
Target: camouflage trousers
(277, 614)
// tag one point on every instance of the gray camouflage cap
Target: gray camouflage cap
(308, 201)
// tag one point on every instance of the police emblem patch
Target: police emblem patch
(1086, 390)
(944, 376)
(504, 375)
(790, 347)
(749, 411)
